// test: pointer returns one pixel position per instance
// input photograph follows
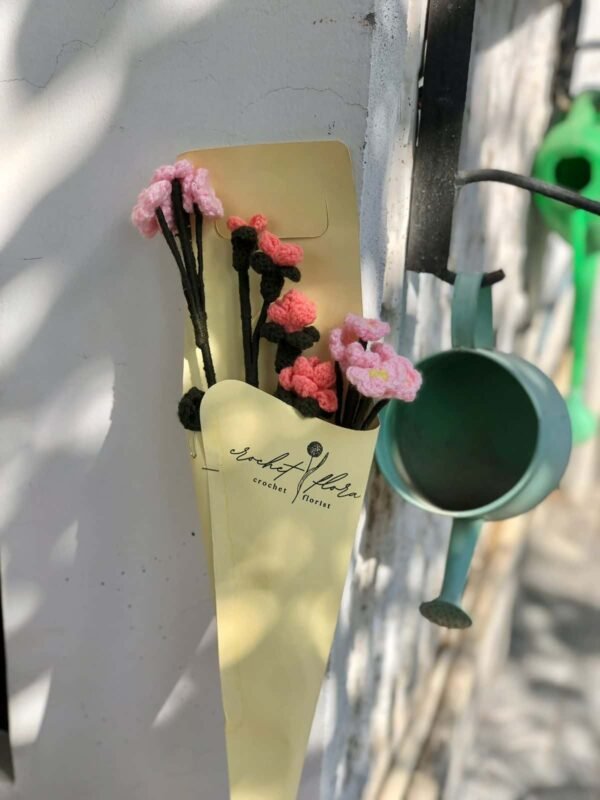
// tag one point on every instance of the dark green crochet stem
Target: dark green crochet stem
(185, 238)
(363, 408)
(262, 318)
(352, 398)
(246, 313)
(172, 243)
(243, 244)
(371, 417)
(197, 315)
(200, 255)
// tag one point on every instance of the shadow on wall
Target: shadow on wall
(111, 644)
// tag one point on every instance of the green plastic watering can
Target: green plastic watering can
(570, 156)
(487, 438)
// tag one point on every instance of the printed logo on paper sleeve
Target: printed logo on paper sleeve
(305, 478)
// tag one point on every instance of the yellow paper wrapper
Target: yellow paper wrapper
(306, 190)
(278, 564)
(285, 499)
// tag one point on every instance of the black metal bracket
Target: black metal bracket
(442, 97)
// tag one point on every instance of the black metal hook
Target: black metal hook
(532, 185)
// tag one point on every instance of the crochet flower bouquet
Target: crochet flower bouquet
(282, 457)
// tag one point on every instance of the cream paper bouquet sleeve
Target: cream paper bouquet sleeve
(280, 473)
(285, 498)
(306, 191)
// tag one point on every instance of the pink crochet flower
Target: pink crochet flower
(282, 253)
(309, 377)
(369, 330)
(394, 377)
(143, 216)
(294, 311)
(353, 354)
(197, 189)
(258, 221)
(344, 342)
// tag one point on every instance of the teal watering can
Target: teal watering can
(570, 157)
(487, 438)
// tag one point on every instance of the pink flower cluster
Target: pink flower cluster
(376, 371)
(196, 189)
(294, 311)
(309, 377)
(282, 253)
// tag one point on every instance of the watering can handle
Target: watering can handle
(472, 325)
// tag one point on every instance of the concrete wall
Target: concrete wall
(111, 641)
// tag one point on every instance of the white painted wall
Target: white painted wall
(111, 642)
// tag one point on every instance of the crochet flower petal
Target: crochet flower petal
(303, 386)
(311, 378)
(324, 375)
(269, 243)
(405, 380)
(369, 330)
(180, 169)
(148, 227)
(357, 356)
(259, 221)
(183, 168)
(294, 311)
(393, 378)
(369, 382)
(288, 255)
(164, 173)
(327, 400)
(209, 204)
(143, 216)
(336, 346)
(155, 195)
(303, 366)
(283, 254)
(285, 378)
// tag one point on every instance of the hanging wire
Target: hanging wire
(535, 185)
(528, 183)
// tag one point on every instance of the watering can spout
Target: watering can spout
(445, 614)
(446, 610)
